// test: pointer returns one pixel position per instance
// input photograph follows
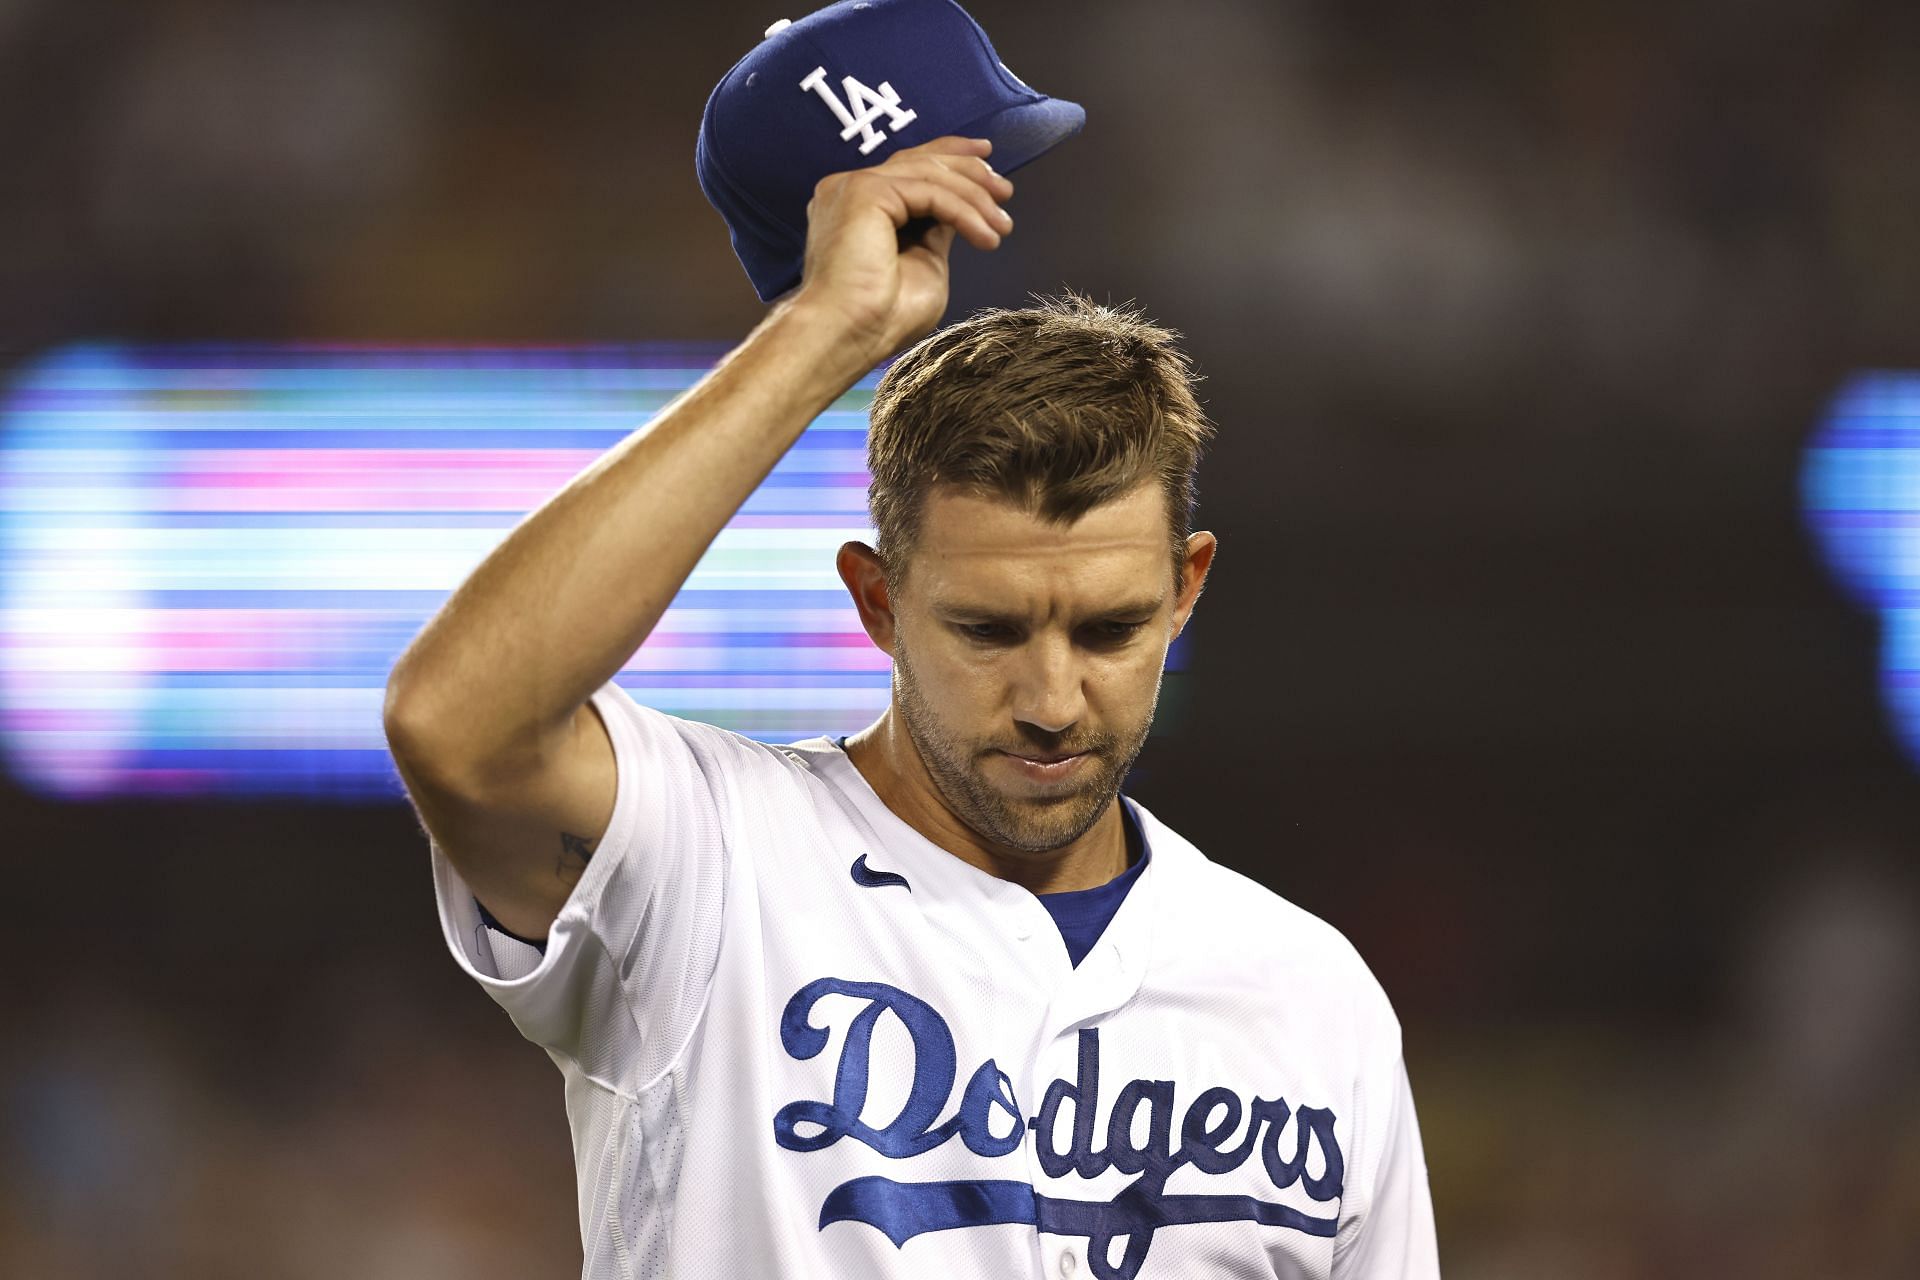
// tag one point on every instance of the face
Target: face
(1014, 640)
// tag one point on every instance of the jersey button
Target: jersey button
(1069, 1263)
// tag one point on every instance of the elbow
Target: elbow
(418, 736)
(438, 742)
(403, 713)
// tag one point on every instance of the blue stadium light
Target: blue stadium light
(1860, 487)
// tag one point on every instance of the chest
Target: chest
(924, 1074)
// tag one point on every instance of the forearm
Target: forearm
(560, 605)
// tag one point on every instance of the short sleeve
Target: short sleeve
(1394, 1238)
(631, 954)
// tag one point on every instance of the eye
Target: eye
(1116, 632)
(983, 631)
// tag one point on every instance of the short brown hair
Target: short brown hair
(1059, 407)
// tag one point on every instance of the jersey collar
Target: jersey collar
(957, 892)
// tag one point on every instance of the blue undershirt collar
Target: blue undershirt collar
(1082, 915)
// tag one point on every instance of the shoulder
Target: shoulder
(1219, 921)
(752, 796)
(640, 732)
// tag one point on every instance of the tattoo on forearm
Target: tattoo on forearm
(574, 855)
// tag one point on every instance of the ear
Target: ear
(866, 578)
(1193, 576)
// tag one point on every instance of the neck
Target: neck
(885, 755)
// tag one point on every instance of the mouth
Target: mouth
(1045, 767)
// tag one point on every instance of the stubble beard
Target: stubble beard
(1027, 826)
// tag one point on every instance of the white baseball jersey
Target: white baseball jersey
(801, 1040)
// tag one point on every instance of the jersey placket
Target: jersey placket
(1042, 1000)
(1107, 978)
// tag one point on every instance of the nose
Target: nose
(1049, 692)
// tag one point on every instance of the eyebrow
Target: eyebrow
(987, 613)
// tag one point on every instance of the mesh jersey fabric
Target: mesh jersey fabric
(774, 1067)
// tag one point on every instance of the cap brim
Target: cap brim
(1027, 131)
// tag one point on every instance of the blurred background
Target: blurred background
(1527, 661)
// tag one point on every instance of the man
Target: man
(925, 1001)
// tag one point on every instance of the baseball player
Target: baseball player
(934, 999)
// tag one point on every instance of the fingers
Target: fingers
(981, 222)
(951, 144)
(947, 180)
(952, 183)
(931, 193)
(976, 169)
(878, 238)
(974, 185)
(938, 241)
(965, 156)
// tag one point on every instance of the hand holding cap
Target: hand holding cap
(844, 88)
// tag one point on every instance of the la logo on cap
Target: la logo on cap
(870, 103)
(761, 153)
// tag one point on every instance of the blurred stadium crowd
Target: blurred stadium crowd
(1517, 666)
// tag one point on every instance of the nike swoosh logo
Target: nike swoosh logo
(865, 876)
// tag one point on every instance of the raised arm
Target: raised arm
(486, 712)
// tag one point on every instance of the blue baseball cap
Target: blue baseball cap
(844, 88)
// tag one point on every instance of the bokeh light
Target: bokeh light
(212, 556)
(1861, 487)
